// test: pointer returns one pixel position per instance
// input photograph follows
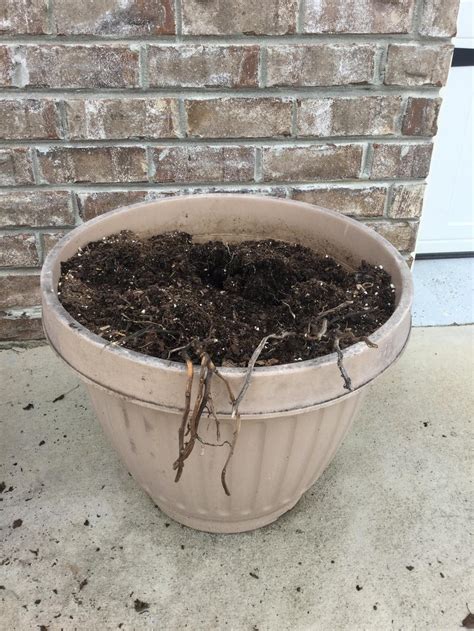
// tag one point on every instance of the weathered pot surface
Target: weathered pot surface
(294, 416)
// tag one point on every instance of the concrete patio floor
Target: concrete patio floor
(382, 540)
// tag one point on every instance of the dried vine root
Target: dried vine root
(204, 401)
(205, 376)
(235, 434)
(184, 420)
(340, 363)
(253, 360)
(190, 423)
(342, 337)
(236, 401)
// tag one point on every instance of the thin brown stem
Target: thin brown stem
(340, 363)
(343, 305)
(187, 407)
(349, 336)
(253, 360)
(235, 435)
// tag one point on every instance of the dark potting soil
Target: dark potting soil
(158, 294)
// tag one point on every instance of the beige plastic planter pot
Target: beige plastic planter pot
(294, 416)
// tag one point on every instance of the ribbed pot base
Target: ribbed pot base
(276, 460)
(227, 527)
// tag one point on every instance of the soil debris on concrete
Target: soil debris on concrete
(159, 294)
(82, 584)
(140, 605)
(60, 397)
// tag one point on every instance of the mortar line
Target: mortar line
(35, 230)
(20, 271)
(17, 313)
(366, 161)
(39, 245)
(50, 18)
(150, 164)
(300, 16)
(75, 208)
(416, 21)
(35, 167)
(379, 56)
(106, 187)
(258, 165)
(402, 114)
(182, 121)
(178, 17)
(143, 66)
(194, 141)
(222, 40)
(388, 201)
(294, 118)
(63, 120)
(210, 93)
(262, 67)
(383, 66)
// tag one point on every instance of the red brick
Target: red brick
(93, 204)
(401, 161)
(357, 16)
(438, 18)
(239, 118)
(20, 17)
(215, 17)
(18, 250)
(6, 66)
(357, 116)
(19, 291)
(50, 239)
(35, 208)
(203, 164)
(401, 234)
(102, 119)
(18, 328)
(407, 201)
(412, 65)
(421, 117)
(314, 162)
(114, 17)
(320, 64)
(78, 66)
(15, 167)
(27, 119)
(366, 202)
(93, 164)
(190, 66)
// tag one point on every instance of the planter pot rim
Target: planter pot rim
(53, 300)
(225, 414)
(55, 310)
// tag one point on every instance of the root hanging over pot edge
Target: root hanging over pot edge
(204, 396)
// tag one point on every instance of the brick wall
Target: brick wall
(112, 102)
